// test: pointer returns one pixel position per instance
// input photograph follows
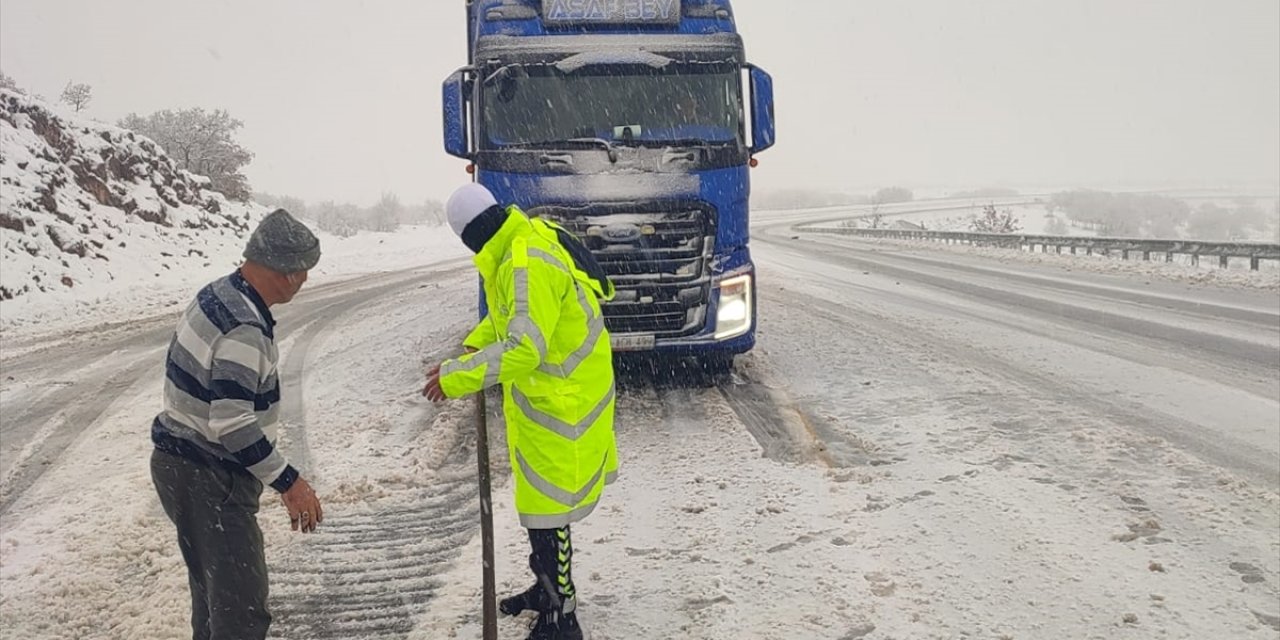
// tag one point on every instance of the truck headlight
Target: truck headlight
(733, 315)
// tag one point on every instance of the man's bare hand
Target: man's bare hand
(303, 505)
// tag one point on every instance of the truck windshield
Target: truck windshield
(539, 106)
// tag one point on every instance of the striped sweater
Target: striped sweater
(222, 392)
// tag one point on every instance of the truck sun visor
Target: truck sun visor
(575, 62)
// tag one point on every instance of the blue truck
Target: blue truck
(634, 124)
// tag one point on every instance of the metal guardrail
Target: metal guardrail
(1255, 252)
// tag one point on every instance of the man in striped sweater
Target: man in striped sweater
(214, 440)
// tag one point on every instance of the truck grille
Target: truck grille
(659, 262)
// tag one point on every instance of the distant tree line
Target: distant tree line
(1154, 216)
(989, 192)
(345, 219)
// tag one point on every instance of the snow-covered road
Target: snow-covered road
(923, 445)
(1203, 371)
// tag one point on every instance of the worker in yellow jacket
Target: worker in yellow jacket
(545, 342)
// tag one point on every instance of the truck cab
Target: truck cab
(634, 124)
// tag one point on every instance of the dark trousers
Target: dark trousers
(552, 565)
(214, 508)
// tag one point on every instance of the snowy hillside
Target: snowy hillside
(97, 221)
(92, 206)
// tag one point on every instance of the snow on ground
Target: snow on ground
(141, 294)
(1030, 212)
(957, 501)
(1031, 219)
(979, 502)
(1035, 219)
(975, 508)
(1207, 273)
(699, 538)
(87, 553)
(971, 486)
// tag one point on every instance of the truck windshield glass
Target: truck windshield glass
(541, 107)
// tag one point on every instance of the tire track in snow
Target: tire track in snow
(1242, 354)
(1095, 338)
(1220, 446)
(315, 326)
(55, 420)
(1041, 428)
(1175, 429)
(684, 394)
(364, 573)
(773, 419)
(37, 427)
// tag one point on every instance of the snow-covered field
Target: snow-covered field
(1032, 215)
(922, 445)
(956, 217)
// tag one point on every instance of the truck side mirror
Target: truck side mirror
(761, 110)
(455, 115)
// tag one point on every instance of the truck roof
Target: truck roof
(568, 17)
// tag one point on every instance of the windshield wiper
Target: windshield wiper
(683, 142)
(608, 146)
(601, 142)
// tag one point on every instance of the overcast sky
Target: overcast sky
(340, 99)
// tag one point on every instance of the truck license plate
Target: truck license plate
(632, 342)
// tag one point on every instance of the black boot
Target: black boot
(554, 625)
(552, 595)
(534, 598)
(531, 599)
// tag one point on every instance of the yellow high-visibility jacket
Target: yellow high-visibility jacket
(545, 342)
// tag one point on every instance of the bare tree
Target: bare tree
(340, 220)
(7, 82)
(385, 215)
(77, 95)
(202, 142)
(993, 221)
